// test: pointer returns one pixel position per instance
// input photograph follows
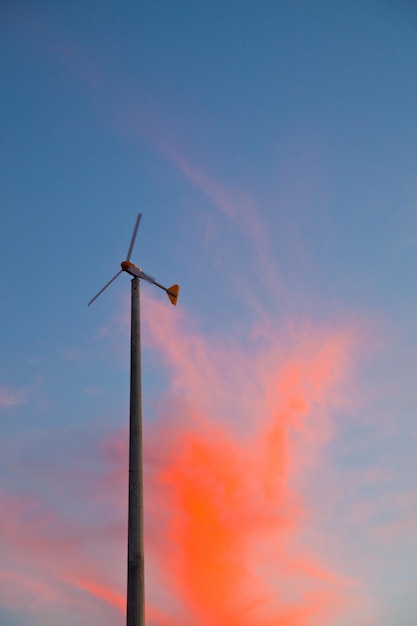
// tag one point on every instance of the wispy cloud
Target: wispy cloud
(224, 516)
(239, 207)
(12, 397)
(54, 557)
(130, 114)
(232, 435)
(235, 431)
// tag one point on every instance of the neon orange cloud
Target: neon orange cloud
(223, 458)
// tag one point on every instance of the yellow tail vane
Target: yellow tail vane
(173, 293)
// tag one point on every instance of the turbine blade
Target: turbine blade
(132, 241)
(105, 287)
(172, 292)
(150, 279)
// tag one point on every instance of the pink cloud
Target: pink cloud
(250, 422)
(225, 520)
(239, 207)
(134, 115)
(12, 397)
(233, 434)
(48, 558)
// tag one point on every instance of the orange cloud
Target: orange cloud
(231, 438)
(237, 431)
(100, 591)
(47, 560)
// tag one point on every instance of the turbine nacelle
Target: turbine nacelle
(131, 269)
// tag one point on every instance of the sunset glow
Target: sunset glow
(271, 150)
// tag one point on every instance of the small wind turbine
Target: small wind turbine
(137, 272)
(135, 614)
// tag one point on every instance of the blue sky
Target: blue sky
(272, 149)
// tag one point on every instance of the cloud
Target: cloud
(59, 533)
(93, 390)
(233, 434)
(238, 429)
(12, 397)
(135, 116)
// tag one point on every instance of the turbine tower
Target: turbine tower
(135, 614)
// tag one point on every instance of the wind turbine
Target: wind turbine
(137, 272)
(135, 614)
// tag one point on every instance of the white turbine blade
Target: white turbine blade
(147, 277)
(172, 292)
(132, 241)
(105, 287)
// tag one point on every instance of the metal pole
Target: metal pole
(135, 562)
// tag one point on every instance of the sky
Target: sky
(272, 149)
